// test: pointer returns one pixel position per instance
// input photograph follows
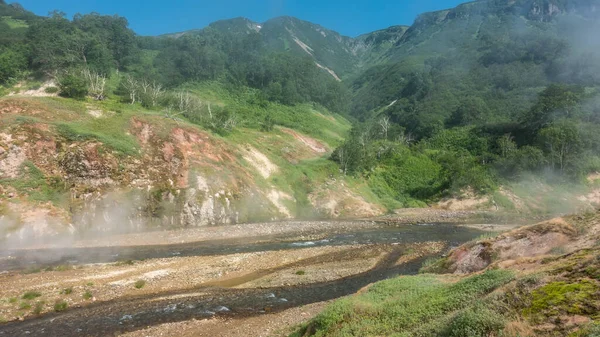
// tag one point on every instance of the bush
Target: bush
(300, 272)
(30, 295)
(476, 322)
(140, 284)
(73, 86)
(87, 295)
(34, 86)
(39, 307)
(51, 90)
(67, 291)
(60, 306)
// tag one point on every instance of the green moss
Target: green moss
(563, 298)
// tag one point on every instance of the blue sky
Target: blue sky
(154, 17)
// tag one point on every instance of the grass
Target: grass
(39, 307)
(60, 306)
(30, 295)
(67, 291)
(51, 90)
(87, 296)
(300, 272)
(140, 284)
(559, 298)
(12, 300)
(312, 120)
(423, 305)
(24, 306)
(37, 186)
(110, 131)
(14, 23)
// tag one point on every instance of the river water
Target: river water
(103, 319)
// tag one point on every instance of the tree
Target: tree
(12, 64)
(562, 143)
(471, 111)
(384, 123)
(507, 145)
(555, 102)
(96, 83)
(131, 87)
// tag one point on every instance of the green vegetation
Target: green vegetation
(30, 295)
(67, 291)
(416, 305)
(592, 330)
(109, 131)
(430, 121)
(39, 307)
(139, 284)
(60, 306)
(51, 90)
(557, 298)
(300, 273)
(87, 295)
(38, 187)
(24, 306)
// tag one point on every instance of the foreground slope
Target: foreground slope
(539, 280)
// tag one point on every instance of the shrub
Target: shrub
(39, 307)
(474, 322)
(87, 295)
(60, 306)
(300, 272)
(67, 291)
(51, 90)
(30, 295)
(140, 284)
(24, 306)
(73, 86)
(34, 86)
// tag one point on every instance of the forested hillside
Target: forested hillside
(468, 99)
(482, 95)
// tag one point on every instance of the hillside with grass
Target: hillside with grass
(70, 161)
(491, 105)
(539, 280)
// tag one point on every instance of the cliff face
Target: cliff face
(154, 173)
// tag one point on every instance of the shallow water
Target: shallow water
(26, 259)
(218, 298)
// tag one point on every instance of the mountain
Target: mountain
(486, 44)
(338, 55)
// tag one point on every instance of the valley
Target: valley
(238, 278)
(278, 178)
